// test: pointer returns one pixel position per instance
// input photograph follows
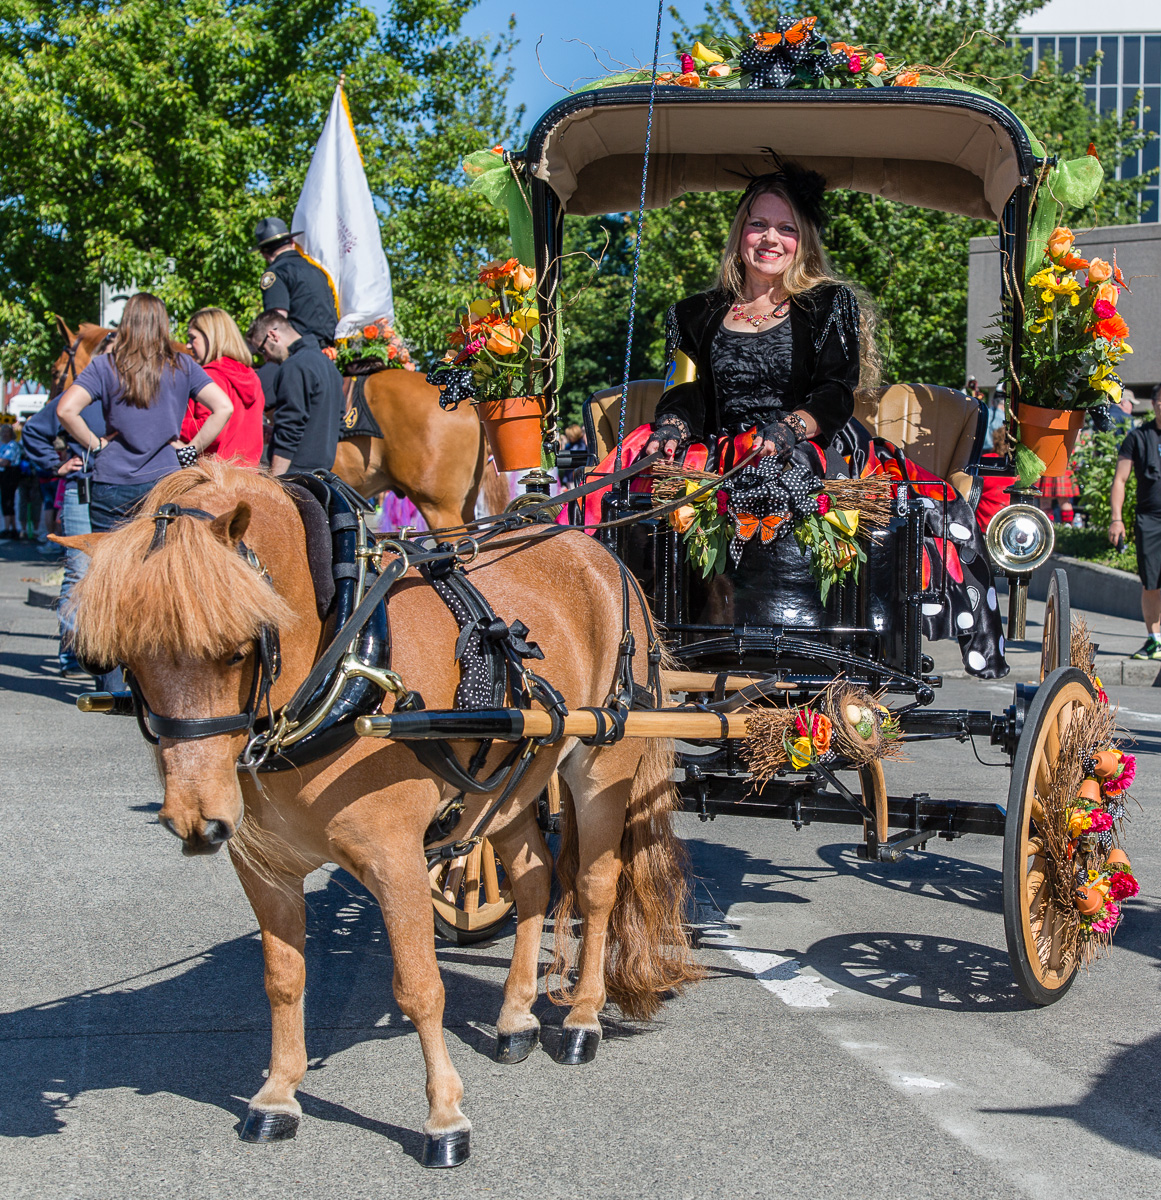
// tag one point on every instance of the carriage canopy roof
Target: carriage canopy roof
(939, 148)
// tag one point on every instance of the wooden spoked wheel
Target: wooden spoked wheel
(875, 797)
(1056, 648)
(471, 896)
(1033, 911)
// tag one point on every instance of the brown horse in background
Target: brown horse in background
(437, 459)
(184, 618)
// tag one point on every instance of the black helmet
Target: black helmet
(270, 231)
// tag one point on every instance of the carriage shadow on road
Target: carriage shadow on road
(201, 1031)
(35, 675)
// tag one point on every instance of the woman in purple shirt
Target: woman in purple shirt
(144, 386)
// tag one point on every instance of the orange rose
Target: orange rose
(878, 68)
(1099, 271)
(392, 353)
(907, 79)
(682, 519)
(1060, 241)
(1109, 292)
(1112, 328)
(370, 332)
(665, 77)
(497, 271)
(504, 339)
(690, 79)
(718, 71)
(821, 734)
(330, 352)
(523, 277)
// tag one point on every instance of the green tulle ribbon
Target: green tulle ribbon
(1029, 466)
(1068, 185)
(494, 179)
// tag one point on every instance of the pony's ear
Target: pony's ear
(85, 542)
(63, 329)
(230, 527)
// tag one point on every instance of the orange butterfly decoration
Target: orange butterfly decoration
(747, 525)
(800, 30)
(767, 41)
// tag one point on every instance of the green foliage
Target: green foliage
(144, 139)
(1094, 462)
(1092, 544)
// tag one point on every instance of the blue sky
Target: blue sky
(624, 28)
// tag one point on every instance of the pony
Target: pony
(185, 620)
(437, 459)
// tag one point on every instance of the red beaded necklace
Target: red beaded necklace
(779, 311)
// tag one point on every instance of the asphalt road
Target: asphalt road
(859, 1034)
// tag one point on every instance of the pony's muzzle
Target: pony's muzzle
(207, 838)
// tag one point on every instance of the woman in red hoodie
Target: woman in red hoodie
(216, 343)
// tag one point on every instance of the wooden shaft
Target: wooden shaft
(706, 681)
(537, 723)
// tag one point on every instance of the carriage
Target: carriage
(760, 635)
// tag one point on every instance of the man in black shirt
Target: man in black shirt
(292, 285)
(1141, 453)
(308, 396)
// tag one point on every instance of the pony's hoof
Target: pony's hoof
(446, 1149)
(516, 1047)
(262, 1126)
(577, 1046)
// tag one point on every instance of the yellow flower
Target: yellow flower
(481, 308)
(702, 54)
(526, 319)
(845, 520)
(800, 753)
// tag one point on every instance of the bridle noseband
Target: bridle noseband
(267, 660)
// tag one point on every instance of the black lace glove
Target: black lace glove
(784, 437)
(666, 432)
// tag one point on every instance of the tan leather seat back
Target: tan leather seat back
(603, 413)
(937, 427)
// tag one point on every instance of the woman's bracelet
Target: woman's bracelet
(795, 422)
(187, 456)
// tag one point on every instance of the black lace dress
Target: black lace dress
(752, 371)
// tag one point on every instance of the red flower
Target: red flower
(687, 64)
(1113, 328)
(1102, 310)
(1099, 820)
(1123, 780)
(1122, 885)
(723, 502)
(856, 63)
(823, 504)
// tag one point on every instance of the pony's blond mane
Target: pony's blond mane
(195, 597)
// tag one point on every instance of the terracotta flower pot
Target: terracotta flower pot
(1108, 763)
(512, 427)
(1089, 901)
(1050, 433)
(1090, 791)
(1117, 858)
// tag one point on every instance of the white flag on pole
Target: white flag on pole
(340, 229)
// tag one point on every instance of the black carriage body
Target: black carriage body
(765, 613)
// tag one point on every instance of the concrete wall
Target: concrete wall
(1138, 254)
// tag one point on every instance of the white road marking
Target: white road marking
(784, 977)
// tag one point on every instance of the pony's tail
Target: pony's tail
(648, 953)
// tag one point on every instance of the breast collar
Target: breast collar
(267, 659)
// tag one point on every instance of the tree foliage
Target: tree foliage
(144, 139)
(912, 262)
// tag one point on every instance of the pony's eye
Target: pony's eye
(239, 655)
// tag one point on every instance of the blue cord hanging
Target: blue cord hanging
(640, 233)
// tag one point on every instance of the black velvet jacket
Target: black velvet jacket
(824, 368)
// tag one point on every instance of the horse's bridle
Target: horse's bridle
(267, 660)
(71, 366)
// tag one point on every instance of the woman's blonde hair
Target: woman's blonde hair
(142, 349)
(809, 268)
(223, 337)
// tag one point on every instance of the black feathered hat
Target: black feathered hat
(805, 188)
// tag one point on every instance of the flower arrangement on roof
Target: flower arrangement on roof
(793, 54)
(376, 347)
(494, 348)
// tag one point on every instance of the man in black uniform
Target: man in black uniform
(308, 394)
(293, 286)
(1141, 453)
